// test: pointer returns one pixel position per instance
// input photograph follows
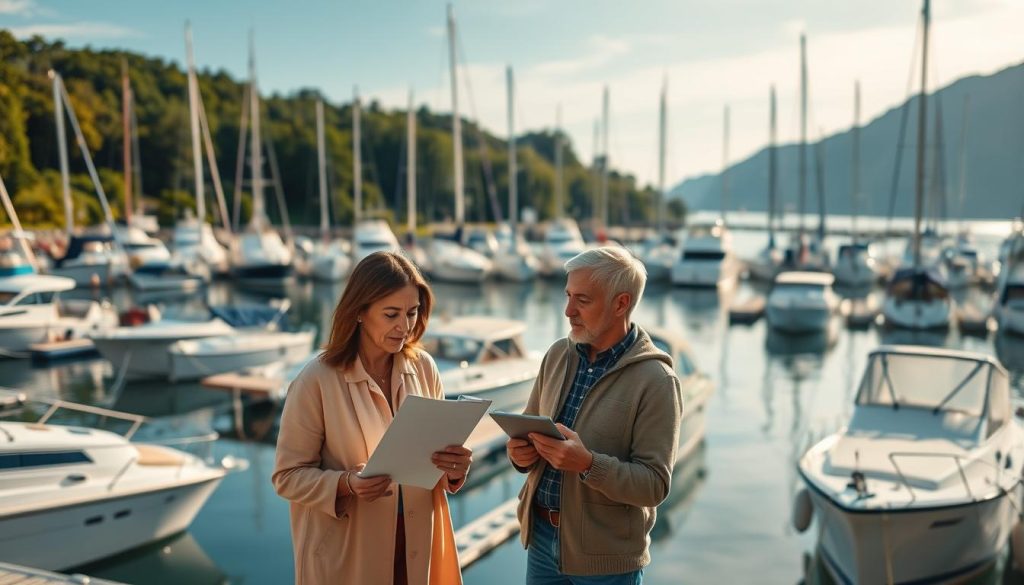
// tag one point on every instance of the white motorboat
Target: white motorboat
(71, 495)
(141, 248)
(143, 349)
(801, 302)
(696, 389)
(482, 241)
(964, 265)
(330, 261)
(196, 358)
(166, 277)
(924, 483)
(917, 299)
(259, 257)
(373, 235)
(484, 357)
(450, 261)
(1009, 302)
(513, 259)
(707, 258)
(32, 312)
(194, 242)
(562, 242)
(658, 253)
(90, 259)
(855, 265)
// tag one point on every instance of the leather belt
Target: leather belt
(550, 516)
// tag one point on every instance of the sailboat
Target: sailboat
(193, 238)
(259, 257)
(562, 238)
(331, 259)
(707, 258)
(806, 252)
(368, 235)
(855, 266)
(513, 259)
(769, 260)
(917, 297)
(450, 260)
(95, 257)
(659, 251)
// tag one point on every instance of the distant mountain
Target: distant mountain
(994, 159)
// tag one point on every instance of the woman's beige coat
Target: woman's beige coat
(332, 421)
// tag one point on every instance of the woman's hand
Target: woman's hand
(454, 461)
(368, 488)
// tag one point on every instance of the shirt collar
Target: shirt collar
(357, 372)
(614, 352)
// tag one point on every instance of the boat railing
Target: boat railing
(136, 419)
(956, 457)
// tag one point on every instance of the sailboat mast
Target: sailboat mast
(604, 160)
(855, 196)
(256, 160)
(62, 151)
(357, 156)
(193, 112)
(410, 175)
(126, 142)
(559, 171)
(662, 123)
(460, 212)
(513, 194)
(773, 173)
(803, 131)
(922, 122)
(725, 163)
(321, 164)
(963, 160)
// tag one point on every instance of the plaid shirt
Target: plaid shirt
(549, 491)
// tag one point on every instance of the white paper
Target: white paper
(422, 427)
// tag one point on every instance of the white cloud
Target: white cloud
(980, 41)
(17, 7)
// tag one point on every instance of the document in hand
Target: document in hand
(422, 427)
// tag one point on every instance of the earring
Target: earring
(359, 320)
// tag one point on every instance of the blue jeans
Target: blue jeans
(542, 562)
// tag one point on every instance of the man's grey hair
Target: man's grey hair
(615, 269)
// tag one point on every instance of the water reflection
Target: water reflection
(688, 478)
(172, 561)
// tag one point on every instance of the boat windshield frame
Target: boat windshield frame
(870, 388)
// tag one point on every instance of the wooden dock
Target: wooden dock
(747, 311)
(58, 350)
(487, 532)
(17, 575)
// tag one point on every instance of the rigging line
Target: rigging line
(901, 139)
(275, 177)
(240, 158)
(489, 183)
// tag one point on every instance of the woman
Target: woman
(346, 528)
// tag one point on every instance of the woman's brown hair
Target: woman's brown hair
(375, 277)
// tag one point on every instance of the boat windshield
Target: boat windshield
(936, 382)
(452, 349)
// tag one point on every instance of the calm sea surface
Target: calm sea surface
(727, 520)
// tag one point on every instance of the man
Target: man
(589, 502)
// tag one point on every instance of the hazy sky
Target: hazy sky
(713, 53)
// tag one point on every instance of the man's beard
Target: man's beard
(586, 337)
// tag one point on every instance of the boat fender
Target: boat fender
(1017, 544)
(803, 511)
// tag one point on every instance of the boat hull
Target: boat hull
(928, 545)
(63, 537)
(187, 364)
(795, 319)
(910, 314)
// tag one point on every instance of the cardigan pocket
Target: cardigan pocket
(610, 529)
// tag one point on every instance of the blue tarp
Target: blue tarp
(250, 316)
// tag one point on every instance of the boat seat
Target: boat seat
(158, 456)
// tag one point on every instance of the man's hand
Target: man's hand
(521, 452)
(569, 454)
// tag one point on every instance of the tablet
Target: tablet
(518, 426)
